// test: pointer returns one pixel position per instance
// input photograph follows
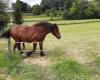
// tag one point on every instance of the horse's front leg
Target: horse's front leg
(41, 49)
(34, 47)
(23, 46)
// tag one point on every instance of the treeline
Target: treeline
(69, 9)
(25, 8)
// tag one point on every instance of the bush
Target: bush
(82, 10)
(59, 13)
(4, 19)
(66, 14)
(52, 13)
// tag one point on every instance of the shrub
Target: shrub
(51, 13)
(66, 14)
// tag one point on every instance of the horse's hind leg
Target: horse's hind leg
(41, 49)
(18, 45)
(14, 46)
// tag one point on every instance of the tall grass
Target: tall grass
(16, 68)
(70, 70)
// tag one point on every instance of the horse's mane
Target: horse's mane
(44, 24)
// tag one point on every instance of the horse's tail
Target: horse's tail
(6, 34)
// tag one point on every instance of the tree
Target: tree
(55, 4)
(93, 10)
(68, 4)
(51, 13)
(17, 13)
(45, 5)
(98, 1)
(77, 10)
(24, 6)
(36, 9)
(4, 19)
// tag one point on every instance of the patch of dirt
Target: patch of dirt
(37, 60)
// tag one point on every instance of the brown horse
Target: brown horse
(34, 33)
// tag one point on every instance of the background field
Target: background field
(75, 57)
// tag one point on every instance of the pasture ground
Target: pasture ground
(75, 57)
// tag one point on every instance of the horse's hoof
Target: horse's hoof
(29, 53)
(42, 54)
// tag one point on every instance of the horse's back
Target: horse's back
(19, 32)
(22, 33)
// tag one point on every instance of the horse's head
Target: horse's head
(55, 31)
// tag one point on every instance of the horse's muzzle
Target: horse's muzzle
(59, 37)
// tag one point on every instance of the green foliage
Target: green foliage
(66, 14)
(51, 13)
(81, 9)
(17, 13)
(24, 7)
(56, 4)
(4, 19)
(70, 70)
(72, 9)
(2, 6)
(68, 4)
(36, 10)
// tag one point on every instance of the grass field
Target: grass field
(75, 57)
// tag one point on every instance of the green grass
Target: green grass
(66, 70)
(70, 70)
(74, 57)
